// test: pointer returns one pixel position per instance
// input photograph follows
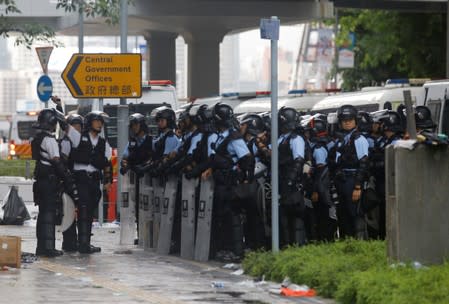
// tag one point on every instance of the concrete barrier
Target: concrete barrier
(417, 196)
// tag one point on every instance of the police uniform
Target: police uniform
(47, 188)
(90, 155)
(230, 150)
(292, 207)
(352, 167)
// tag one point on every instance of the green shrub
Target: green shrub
(16, 168)
(353, 272)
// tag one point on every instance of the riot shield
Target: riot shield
(167, 214)
(127, 212)
(146, 212)
(158, 188)
(68, 213)
(188, 217)
(204, 220)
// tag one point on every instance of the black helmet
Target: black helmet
(423, 118)
(319, 127)
(254, 122)
(138, 118)
(47, 120)
(167, 113)
(266, 118)
(205, 118)
(288, 118)
(223, 115)
(194, 114)
(74, 119)
(184, 115)
(392, 121)
(94, 115)
(346, 112)
(364, 122)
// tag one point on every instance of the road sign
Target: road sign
(104, 75)
(269, 29)
(44, 88)
(44, 56)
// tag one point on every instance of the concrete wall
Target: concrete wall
(418, 204)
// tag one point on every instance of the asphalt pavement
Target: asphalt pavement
(128, 274)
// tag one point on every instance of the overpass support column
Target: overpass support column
(204, 64)
(162, 50)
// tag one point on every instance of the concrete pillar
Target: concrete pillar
(162, 59)
(203, 64)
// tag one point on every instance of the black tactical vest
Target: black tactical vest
(87, 154)
(140, 154)
(200, 153)
(36, 143)
(348, 154)
(222, 149)
(159, 146)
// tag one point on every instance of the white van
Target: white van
(436, 97)
(299, 100)
(370, 99)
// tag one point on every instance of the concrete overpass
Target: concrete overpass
(203, 24)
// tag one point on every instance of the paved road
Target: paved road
(123, 274)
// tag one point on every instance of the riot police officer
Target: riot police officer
(91, 155)
(323, 208)
(252, 127)
(352, 172)
(233, 167)
(48, 172)
(137, 153)
(291, 162)
(70, 238)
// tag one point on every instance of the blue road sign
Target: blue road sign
(44, 88)
(269, 29)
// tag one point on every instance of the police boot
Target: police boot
(69, 239)
(237, 236)
(45, 232)
(300, 232)
(361, 231)
(84, 231)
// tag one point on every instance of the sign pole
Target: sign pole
(269, 29)
(122, 117)
(274, 145)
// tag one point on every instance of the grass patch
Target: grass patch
(16, 167)
(352, 271)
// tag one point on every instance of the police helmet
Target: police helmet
(392, 122)
(94, 115)
(223, 115)
(46, 120)
(254, 122)
(184, 115)
(194, 114)
(139, 119)
(347, 112)
(166, 113)
(266, 118)
(319, 126)
(364, 122)
(74, 119)
(288, 118)
(204, 118)
(423, 118)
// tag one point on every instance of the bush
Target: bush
(16, 168)
(353, 272)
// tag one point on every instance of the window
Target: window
(25, 129)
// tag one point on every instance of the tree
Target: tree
(390, 44)
(29, 33)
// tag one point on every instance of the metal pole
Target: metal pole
(336, 47)
(81, 30)
(122, 111)
(274, 146)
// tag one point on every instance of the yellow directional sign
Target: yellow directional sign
(104, 75)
